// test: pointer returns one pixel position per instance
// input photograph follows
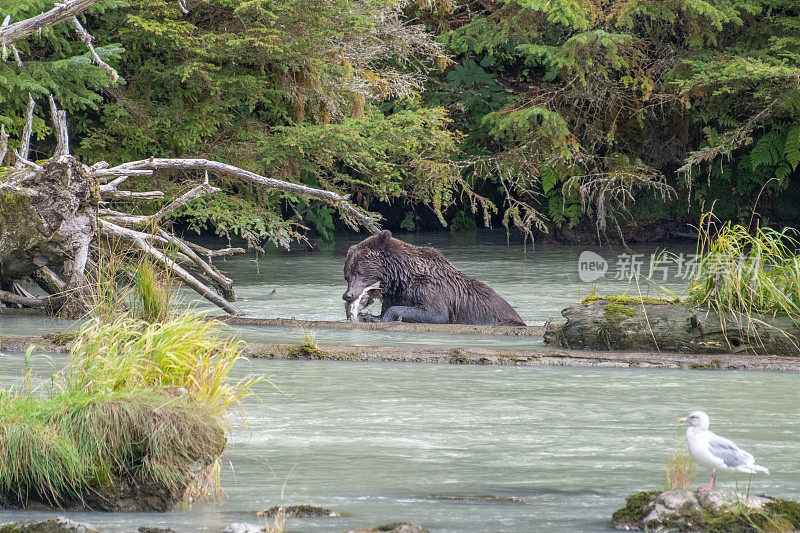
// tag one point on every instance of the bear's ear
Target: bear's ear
(383, 238)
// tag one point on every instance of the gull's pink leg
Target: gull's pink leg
(713, 484)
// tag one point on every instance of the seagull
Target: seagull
(714, 452)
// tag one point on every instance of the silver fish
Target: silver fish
(355, 305)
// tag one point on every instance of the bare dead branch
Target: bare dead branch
(214, 253)
(102, 175)
(124, 219)
(3, 143)
(60, 129)
(17, 59)
(25, 28)
(22, 162)
(140, 239)
(10, 297)
(197, 192)
(87, 38)
(22, 154)
(5, 47)
(110, 190)
(48, 280)
(222, 283)
(271, 183)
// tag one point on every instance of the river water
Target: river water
(472, 448)
(539, 281)
(458, 448)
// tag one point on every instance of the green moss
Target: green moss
(712, 364)
(637, 506)
(777, 515)
(63, 338)
(391, 527)
(616, 312)
(56, 524)
(299, 511)
(629, 300)
(307, 351)
(457, 357)
(15, 219)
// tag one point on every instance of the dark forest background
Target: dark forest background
(551, 117)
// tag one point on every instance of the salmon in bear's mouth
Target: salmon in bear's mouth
(363, 300)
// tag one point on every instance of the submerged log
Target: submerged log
(632, 323)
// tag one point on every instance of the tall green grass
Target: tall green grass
(152, 292)
(122, 280)
(186, 351)
(138, 404)
(745, 273)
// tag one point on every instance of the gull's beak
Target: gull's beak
(681, 420)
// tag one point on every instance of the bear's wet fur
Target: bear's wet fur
(419, 285)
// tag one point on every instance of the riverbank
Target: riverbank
(55, 344)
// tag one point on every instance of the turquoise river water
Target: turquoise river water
(457, 448)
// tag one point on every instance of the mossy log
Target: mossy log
(632, 323)
(718, 511)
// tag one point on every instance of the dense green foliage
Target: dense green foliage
(548, 114)
(599, 100)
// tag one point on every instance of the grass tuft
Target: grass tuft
(680, 469)
(743, 272)
(139, 407)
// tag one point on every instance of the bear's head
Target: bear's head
(365, 265)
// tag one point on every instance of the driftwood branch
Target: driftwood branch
(271, 183)
(222, 283)
(103, 175)
(3, 143)
(25, 28)
(10, 297)
(60, 129)
(48, 280)
(215, 253)
(140, 240)
(197, 192)
(24, 148)
(13, 48)
(87, 39)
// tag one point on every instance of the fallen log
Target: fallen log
(540, 357)
(633, 323)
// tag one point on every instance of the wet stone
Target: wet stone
(396, 527)
(300, 511)
(716, 510)
(243, 527)
(58, 524)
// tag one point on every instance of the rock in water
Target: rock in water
(396, 527)
(58, 524)
(243, 527)
(299, 511)
(713, 510)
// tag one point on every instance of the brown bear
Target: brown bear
(417, 284)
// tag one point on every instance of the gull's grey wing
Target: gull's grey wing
(730, 453)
